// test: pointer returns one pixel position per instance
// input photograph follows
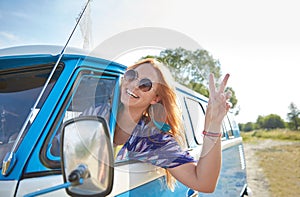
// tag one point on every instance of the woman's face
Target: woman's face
(132, 95)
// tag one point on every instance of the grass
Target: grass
(278, 134)
(281, 164)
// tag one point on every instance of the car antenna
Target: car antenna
(10, 159)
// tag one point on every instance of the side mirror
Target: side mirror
(87, 157)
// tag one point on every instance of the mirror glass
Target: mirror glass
(86, 142)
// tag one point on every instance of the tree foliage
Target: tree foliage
(190, 66)
(192, 69)
(272, 121)
(293, 116)
(249, 126)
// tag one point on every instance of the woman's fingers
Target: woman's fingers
(217, 97)
(224, 83)
(228, 94)
(218, 104)
(212, 86)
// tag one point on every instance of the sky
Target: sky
(256, 41)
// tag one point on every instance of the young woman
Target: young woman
(149, 127)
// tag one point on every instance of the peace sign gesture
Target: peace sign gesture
(218, 105)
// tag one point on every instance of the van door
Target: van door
(87, 89)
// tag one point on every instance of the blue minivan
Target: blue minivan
(47, 148)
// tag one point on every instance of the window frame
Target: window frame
(49, 160)
(198, 138)
(227, 128)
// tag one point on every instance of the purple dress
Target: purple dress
(148, 144)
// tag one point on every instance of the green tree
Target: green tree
(293, 116)
(192, 68)
(199, 87)
(260, 122)
(249, 126)
(271, 121)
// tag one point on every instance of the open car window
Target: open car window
(91, 95)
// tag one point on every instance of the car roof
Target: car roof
(40, 49)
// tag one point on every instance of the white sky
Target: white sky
(256, 41)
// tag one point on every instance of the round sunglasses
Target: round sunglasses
(145, 84)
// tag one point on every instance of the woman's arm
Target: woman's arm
(203, 176)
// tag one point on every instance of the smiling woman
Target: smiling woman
(144, 87)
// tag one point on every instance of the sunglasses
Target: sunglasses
(145, 84)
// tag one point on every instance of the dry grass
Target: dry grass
(277, 134)
(279, 161)
(281, 165)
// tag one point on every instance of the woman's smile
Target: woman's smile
(130, 93)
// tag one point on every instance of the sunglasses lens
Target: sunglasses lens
(130, 75)
(145, 85)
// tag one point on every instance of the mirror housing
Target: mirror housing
(87, 156)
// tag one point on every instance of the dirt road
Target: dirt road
(255, 175)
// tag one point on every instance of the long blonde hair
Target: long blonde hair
(169, 101)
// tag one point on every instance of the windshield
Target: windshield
(19, 89)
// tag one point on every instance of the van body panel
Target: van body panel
(233, 173)
(30, 185)
(8, 188)
(134, 175)
(156, 188)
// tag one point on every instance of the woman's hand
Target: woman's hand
(204, 176)
(218, 105)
